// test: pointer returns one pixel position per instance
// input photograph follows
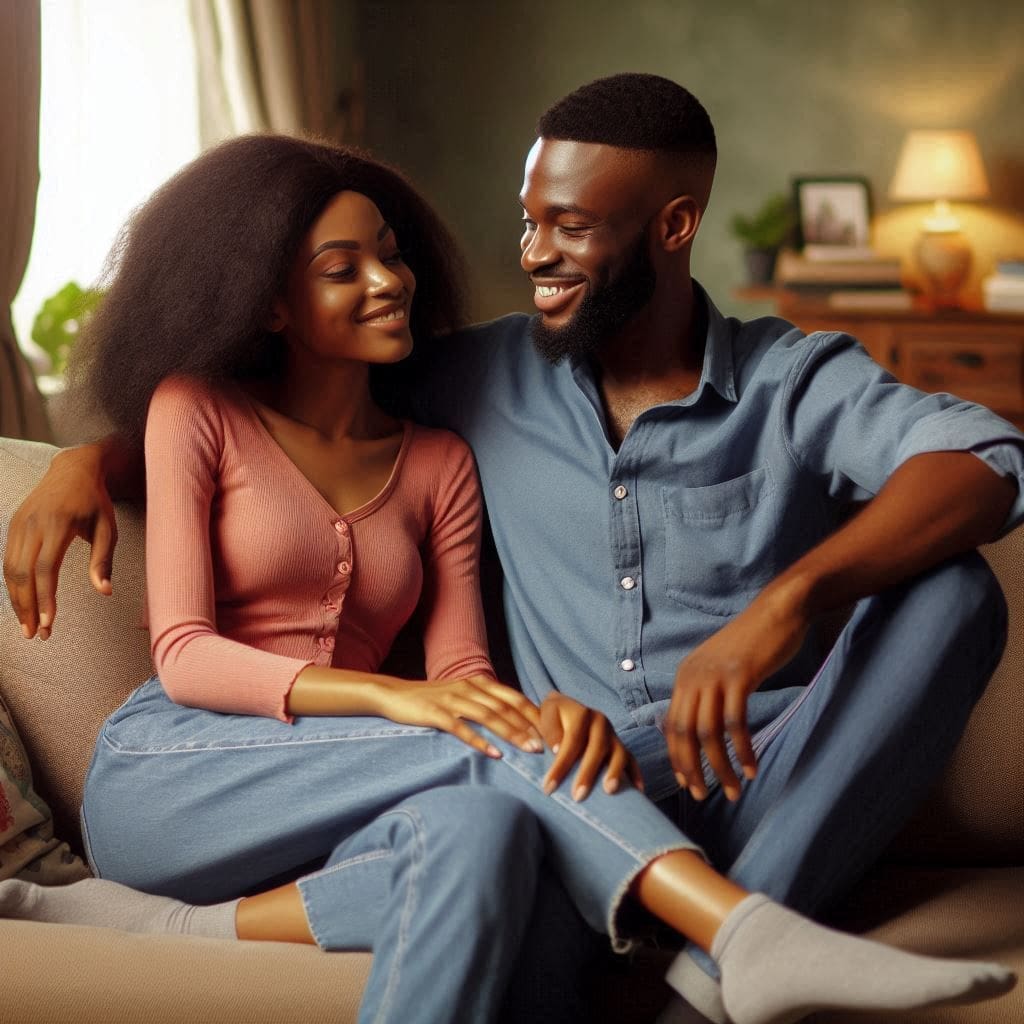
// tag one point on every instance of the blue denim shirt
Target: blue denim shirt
(618, 563)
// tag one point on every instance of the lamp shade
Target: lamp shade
(939, 165)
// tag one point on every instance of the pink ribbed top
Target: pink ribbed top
(252, 575)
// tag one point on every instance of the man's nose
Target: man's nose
(538, 250)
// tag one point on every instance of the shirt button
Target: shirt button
(627, 583)
(341, 526)
(328, 643)
(343, 567)
(627, 664)
(620, 492)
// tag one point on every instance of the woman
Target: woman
(293, 525)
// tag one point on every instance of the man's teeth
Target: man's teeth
(398, 314)
(545, 290)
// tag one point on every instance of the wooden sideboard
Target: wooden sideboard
(974, 354)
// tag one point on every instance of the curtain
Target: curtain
(22, 413)
(266, 65)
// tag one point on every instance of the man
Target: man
(672, 496)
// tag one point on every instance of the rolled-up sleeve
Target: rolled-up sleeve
(851, 422)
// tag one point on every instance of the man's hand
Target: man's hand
(712, 685)
(70, 501)
(579, 734)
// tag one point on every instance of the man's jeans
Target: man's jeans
(843, 767)
(413, 844)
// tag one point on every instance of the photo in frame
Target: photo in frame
(833, 214)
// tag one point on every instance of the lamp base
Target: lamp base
(944, 258)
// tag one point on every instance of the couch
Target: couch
(952, 884)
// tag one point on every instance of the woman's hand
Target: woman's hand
(712, 685)
(448, 704)
(70, 501)
(577, 733)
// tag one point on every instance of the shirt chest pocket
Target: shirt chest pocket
(719, 542)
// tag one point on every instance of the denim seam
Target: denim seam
(362, 858)
(188, 748)
(774, 728)
(642, 859)
(415, 868)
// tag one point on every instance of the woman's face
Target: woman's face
(349, 292)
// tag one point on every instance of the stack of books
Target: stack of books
(844, 277)
(1004, 290)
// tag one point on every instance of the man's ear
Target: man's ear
(278, 320)
(678, 221)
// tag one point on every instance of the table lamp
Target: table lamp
(943, 166)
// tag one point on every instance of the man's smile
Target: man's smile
(554, 295)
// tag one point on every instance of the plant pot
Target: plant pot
(760, 264)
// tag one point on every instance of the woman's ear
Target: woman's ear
(678, 222)
(278, 317)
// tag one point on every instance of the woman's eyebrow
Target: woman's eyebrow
(346, 243)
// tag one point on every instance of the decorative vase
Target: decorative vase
(760, 263)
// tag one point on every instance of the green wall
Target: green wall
(454, 90)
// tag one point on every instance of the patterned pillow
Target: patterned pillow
(28, 848)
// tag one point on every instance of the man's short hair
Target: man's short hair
(632, 111)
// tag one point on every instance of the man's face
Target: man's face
(586, 208)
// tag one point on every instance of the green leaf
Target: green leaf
(59, 320)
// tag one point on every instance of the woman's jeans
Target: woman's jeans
(407, 840)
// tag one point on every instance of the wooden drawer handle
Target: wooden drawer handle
(969, 359)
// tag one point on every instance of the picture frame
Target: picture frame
(833, 214)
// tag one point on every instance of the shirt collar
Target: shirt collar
(717, 370)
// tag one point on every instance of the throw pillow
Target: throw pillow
(28, 848)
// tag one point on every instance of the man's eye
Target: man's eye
(529, 225)
(396, 257)
(573, 229)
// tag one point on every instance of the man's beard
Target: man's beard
(602, 313)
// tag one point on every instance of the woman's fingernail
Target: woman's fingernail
(44, 620)
(579, 793)
(697, 792)
(534, 746)
(549, 786)
(611, 785)
(554, 748)
(493, 751)
(26, 632)
(750, 771)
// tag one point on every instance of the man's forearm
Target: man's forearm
(934, 506)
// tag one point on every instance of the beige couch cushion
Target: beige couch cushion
(976, 814)
(66, 974)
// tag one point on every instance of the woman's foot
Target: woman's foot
(778, 967)
(105, 904)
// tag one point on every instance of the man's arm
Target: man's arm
(934, 506)
(73, 499)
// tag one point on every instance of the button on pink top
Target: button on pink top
(252, 576)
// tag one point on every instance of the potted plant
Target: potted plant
(762, 235)
(59, 320)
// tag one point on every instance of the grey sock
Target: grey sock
(96, 901)
(777, 967)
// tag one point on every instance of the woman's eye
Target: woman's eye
(529, 225)
(396, 257)
(340, 273)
